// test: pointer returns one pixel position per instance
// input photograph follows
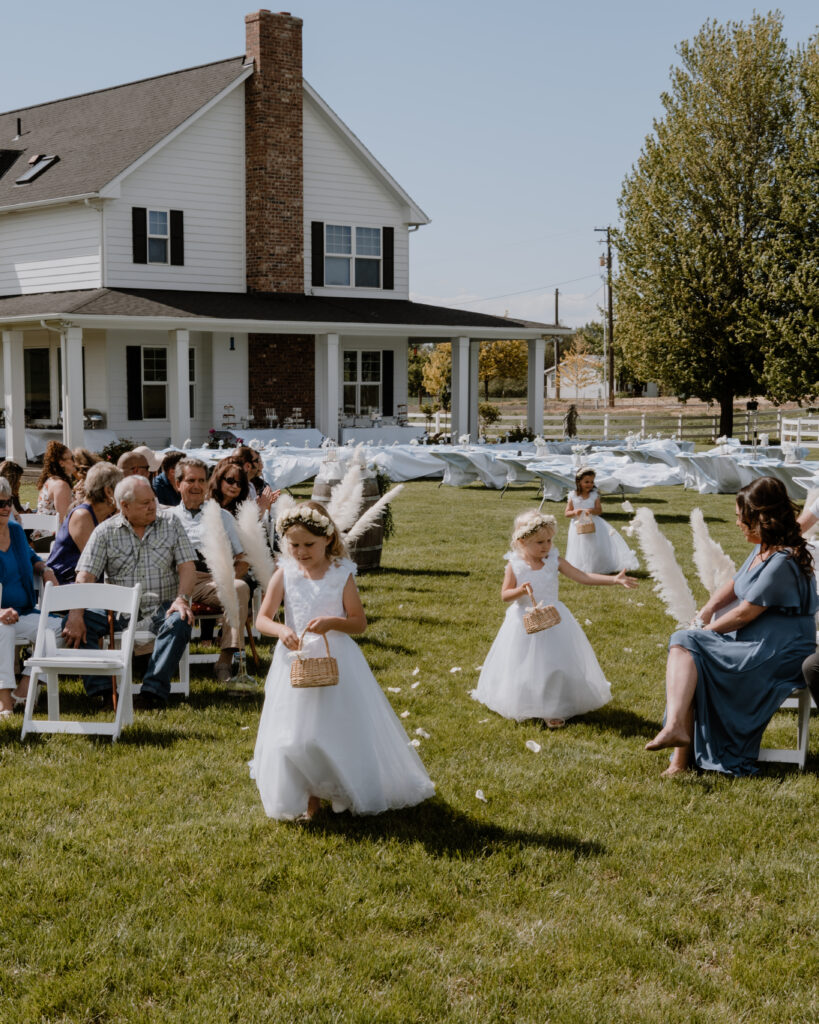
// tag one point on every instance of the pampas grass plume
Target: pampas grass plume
(669, 581)
(714, 567)
(254, 543)
(219, 556)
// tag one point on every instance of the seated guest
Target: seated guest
(260, 491)
(83, 461)
(19, 618)
(164, 483)
(191, 478)
(137, 545)
(725, 681)
(229, 485)
(80, 522)
(133, 463)
(54, 494)
(14, 474)
(809, 516)
(153, 460)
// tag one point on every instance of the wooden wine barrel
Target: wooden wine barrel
(366, 552)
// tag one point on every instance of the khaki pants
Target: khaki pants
(204, 591)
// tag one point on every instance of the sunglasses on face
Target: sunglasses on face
(6, 502)
(232, 481)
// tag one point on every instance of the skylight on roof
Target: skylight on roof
(7, 158)
(39, 164)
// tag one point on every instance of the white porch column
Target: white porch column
(460, 388)
(327, 384)
(73, 418)
(474, 390)
(54, 380)
(535, 385)
(179, 386)
(14, 386)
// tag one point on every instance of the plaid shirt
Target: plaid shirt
(115, 552)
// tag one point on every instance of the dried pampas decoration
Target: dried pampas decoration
(254, 542)
(371, 515)
(714, 567)
(813, 494)
(347, 498)
(670, 583)
(219, 556)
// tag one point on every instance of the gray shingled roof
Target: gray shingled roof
(283, 308)
(99, 134)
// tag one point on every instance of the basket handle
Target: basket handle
(530, 592)
(322, 635)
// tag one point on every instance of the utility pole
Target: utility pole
(557, 355)
(610, 314)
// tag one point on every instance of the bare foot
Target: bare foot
(668, 737)
(672, 770)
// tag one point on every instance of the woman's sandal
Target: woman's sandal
(555, 723)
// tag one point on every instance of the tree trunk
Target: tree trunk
(726, 414)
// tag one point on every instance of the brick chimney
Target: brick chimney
(274, 154)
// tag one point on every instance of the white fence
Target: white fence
(800, 430)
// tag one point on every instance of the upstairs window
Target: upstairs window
(158, 236)
(352, 256)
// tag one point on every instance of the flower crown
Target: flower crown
(309, 517)
(537, 522)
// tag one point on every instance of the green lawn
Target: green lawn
(141, 881)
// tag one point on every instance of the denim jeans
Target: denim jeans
(172, 635)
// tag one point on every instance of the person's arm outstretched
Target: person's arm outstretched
(596, 579)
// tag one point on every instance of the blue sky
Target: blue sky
(511, 124)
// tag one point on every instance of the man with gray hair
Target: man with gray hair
(137, 545)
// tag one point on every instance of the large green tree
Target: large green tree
(786, 297)
(695, 208)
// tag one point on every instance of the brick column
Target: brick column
(274, 201)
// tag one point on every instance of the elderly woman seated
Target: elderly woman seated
(80, 522)
(725, 680)
(19, 618)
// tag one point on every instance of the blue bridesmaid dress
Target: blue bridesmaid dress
(743, 677)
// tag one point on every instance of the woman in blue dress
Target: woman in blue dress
(725, 680)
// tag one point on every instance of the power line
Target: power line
(528, 291)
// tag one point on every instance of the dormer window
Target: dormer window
(38, 165)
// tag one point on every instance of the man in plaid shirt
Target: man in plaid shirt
(139, 546)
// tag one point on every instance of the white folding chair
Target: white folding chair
(799, 700)
(39, 521)
(142, 639)
(50, 663)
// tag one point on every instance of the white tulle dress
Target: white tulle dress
(602, 551)
(342, 743)
(550, 674)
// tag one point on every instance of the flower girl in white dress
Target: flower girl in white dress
(339, 743)
(601, 549)
(552, 674)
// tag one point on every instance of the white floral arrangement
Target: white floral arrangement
(532, 524)
(764, 440)
(413, 441)
(463, 438)
(308, 517)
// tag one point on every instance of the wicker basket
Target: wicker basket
(584, 524)
(306, 672)
(538, 618)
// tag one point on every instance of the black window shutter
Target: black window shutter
(317, 252)
(388, 259)
(133, 380)
(139, 233)
(177, 239)
(386, 383)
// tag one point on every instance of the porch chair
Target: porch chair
(50, 662)
(270, 415)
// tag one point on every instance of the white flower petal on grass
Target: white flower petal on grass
(415, 686)
(482, 720)
(640, 604)
(245, 728)
(533, 746)
(400, 606)
(479, 796)
(455, 668)
(628, 650)
(415, 743)
(404, 714)
(478, 668)
(416, 670)
(393, 689)
(422, 733)
(588, 622)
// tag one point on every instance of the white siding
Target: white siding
(340, 188)
(50, 250)
(202, 173)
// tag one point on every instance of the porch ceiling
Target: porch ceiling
(267, 313)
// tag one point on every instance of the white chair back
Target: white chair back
(43, 521)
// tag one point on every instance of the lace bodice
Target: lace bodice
(543, 581)
(587, 502)
(305, 599)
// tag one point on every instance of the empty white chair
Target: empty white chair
(49, 663)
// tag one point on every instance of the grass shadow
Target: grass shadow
(621, 720)
(445, 832)
(392, 571)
